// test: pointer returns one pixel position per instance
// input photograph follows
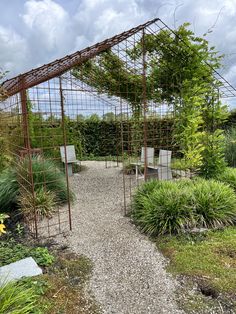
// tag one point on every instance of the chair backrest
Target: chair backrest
(165, 157)
(70, 153)
(150, 155)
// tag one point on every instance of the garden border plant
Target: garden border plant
(48, 194)
(170, 207)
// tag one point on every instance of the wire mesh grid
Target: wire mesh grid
(107, 106)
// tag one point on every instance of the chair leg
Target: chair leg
(69, 170)
(164, 173)
(136, 172)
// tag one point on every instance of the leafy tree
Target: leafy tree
(110, 74)
(109, 116)
(94, 118)
(80, 117)
(174, 58)
(3, 92)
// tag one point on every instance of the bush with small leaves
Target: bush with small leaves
(12, 251)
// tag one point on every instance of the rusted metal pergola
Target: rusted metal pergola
(62, 90)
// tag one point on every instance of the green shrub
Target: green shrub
(97, 137)
(166, 209)
(214, 204)
(228, 176)
(42, 256)
(12, 251)
(43, 201)
(161, 207)
(181, 164)
(15, 298)
(9, 189)
(213, 154)
(230, 147)
(46, 175)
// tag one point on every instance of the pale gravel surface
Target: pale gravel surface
(129, 274)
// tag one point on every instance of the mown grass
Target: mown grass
(209, 258)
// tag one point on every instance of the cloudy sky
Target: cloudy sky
(34, 32)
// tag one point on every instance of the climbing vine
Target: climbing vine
(180, 71)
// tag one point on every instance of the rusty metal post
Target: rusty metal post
(117, 151)
(123, 159)
(24, 109)
(25, 118)
(65, 150)
(144, 96)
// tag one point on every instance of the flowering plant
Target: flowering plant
(2, 226)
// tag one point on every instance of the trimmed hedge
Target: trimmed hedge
(100, 138)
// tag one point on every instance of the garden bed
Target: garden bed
(59, 290)
(205, 263)
(193, 224)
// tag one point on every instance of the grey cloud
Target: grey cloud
(40, 31)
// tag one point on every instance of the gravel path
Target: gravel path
(128, 275)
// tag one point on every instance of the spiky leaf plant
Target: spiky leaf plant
(214, 204)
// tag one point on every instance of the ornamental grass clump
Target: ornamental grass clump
(16, 298)
(9, 189)
(166, 209)
(228, 176)
(42, 203)
(142, 193)
(46, 174)
(171, 207)
(214, 204)
(49, 185)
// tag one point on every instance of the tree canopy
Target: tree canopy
(3, 93)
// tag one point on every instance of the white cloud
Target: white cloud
(14, 52)
(43, 30)
(48, 26)
(102, 19)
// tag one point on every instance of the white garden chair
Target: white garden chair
(163, 167)
(150, 160)
(68, 156)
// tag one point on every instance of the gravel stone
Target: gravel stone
(129, 274)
